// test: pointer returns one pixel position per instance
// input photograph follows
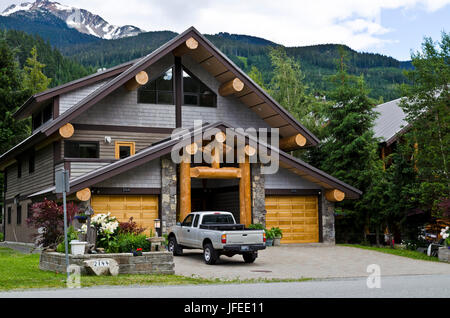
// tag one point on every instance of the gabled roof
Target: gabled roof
(36, 100)
(165, 147)
(253, 93)
(390, 121)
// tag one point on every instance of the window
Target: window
(19, 214)
(19, 168)
(158, 91)
(81, 149)
(217, 219)
(42, 116)
(196, 93)
(31, 163)
(9, 215)
(124, 149)
(197, 217)
(188, 220)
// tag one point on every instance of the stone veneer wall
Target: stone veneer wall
(148, 263)
(258, 195)
(168, 193)
(328, 230)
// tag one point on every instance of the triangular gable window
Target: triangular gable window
(158, 91)
(195, 93)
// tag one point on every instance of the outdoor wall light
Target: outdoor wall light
(157, 226)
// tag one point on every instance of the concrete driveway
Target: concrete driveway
(311, 261)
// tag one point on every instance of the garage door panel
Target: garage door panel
(143, 209)
(296, 216)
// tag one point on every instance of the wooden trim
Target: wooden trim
(118, 144)
(291, 192)
(122, 191)
(150, 130)
(320, 214)
(55, 107)
(178, 91)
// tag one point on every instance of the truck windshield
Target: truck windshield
(217, 219)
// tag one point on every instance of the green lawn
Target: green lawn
(21, 271)
(396, 251)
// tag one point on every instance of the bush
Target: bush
(127, 243)
(276, 232)
(71, 235)
(130, 227)
(1, 237)
(49, 216)
(256, 226)
(270, 234)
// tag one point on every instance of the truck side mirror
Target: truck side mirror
(178, 223)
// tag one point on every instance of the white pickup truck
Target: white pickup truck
(217, 234)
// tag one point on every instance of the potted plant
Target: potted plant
(277, 234)
(269, 237)
(81, 217)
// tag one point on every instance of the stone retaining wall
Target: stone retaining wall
(444, 254)
(148, 263)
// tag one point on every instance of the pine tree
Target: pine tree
(34, 80)
(427, 108)
(350, 148)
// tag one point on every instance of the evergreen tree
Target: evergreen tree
(34, 80)
(350, 148)
(427, 108)
(256, 75)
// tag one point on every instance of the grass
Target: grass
(21, 271)
(396, 251)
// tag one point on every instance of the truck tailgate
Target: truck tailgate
(244, 237)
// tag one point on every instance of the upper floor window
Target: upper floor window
(158, 91)
(81, 149)
(196, 93)
(42, 116)
(124, 149)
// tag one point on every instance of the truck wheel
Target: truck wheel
(250, 257)
(174, 247)
(210, 255)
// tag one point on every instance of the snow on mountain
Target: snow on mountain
(79, 19)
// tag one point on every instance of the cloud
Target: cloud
(356, 23)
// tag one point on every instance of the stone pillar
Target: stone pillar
(258, 195)
(168, 193)
(328, 231)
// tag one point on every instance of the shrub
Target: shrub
(49, 216)
(276, 232)
(71, 235)
(130, 227)
(1, 237)
(256, 226)
(106, 227)
(270, 233)
(127, 243)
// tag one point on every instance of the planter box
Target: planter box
(148, 263)
(444, 254)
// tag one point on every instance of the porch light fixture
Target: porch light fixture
(157, 226)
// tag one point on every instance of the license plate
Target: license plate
(244, 248)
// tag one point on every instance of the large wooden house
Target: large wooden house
(112, 131)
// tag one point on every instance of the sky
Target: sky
(389, 27)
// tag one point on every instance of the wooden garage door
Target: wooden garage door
(296, 216)
(143, 208)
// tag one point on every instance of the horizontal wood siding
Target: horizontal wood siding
(79, 168)
(41, 178)
(285, 179)
(70, 99)
(142, 140)
(147, 175)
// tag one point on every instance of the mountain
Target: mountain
(79, 19)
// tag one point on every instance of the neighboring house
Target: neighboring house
(389, 125)
(112, 131)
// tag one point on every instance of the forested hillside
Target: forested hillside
(57, 67)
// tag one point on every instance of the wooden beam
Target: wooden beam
(249, 150)
(191, 149)
(188, 46)
(231, 87)
(185, 189)
(215, 173)
(334, 195)
(220, 137)
(84, 194)
(138, 80)
(245, 194)
(215, 158)
(66, 131)
(48, 141)
(292, 142)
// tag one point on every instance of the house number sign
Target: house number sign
(101, 263)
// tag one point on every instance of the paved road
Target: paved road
(312, 261)
(428, 286)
